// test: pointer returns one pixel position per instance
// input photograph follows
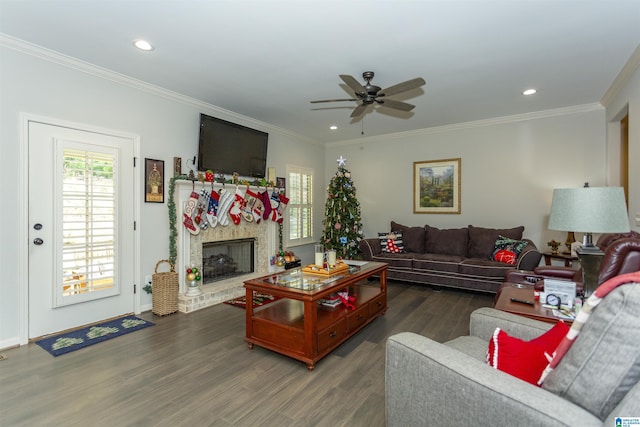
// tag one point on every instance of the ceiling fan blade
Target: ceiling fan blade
(353, 84)
(359, 110)
(396, 105)
(402, 87)
(333, 100)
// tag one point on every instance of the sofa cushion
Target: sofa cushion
(452, 241)
(524, 359)
(391, 242)
(477, 267)
(437, 262)
(603, 363)
(413, 237)
(481, 240)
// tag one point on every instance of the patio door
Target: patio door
(81, 234)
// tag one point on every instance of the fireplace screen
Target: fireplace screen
(226, 259)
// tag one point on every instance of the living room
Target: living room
(509, 164)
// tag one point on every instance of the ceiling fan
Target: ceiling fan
(369, 93)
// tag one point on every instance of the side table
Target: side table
(524, 292)
(567, 258)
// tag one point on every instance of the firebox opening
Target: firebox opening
(225, 259)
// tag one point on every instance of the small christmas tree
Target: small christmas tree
(342, 226)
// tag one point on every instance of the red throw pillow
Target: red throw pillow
(505, 256)
(524, 359)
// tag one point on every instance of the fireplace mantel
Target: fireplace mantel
(189, 248)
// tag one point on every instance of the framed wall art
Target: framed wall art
(436, 186)
(153, 181)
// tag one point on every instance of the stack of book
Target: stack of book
(331, 301)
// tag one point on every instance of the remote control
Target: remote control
(522, 301)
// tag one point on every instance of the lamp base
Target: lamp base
(591, 261)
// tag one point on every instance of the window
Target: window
(300, 185)
(88, 225)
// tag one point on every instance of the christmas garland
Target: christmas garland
(173, 231)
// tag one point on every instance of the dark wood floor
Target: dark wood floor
(196, 370)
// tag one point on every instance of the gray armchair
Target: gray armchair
(428, 383)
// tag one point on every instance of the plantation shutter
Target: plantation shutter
(89, 224)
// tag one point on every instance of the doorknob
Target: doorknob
(38, 241)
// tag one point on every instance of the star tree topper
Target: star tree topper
(341, 161)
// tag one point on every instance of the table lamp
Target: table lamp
(589, 210)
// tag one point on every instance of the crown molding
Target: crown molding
(623, 77)
(576, 109)
(106, 74)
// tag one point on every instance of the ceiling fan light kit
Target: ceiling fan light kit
(369, 93)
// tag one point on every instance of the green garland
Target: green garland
(173, 231)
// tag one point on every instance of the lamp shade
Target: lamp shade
(589, 210)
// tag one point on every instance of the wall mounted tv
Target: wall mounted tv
(226, 147)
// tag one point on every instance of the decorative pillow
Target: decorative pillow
(481, 240)
(451, 241)
(507, 250)
(391, 243)
(413, 237)
(524, 359)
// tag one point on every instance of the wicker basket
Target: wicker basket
(164, 295)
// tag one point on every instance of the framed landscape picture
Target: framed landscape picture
(436, 186)
(154, 181)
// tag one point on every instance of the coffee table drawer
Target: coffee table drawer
(332, 335)
(377, 304)
(358, 317)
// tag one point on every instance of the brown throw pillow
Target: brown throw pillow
(481, 240)
(413, 237)
(452, 241)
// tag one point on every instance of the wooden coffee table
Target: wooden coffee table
(525, 292)
(300, 327)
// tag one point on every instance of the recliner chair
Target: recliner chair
(621, 255)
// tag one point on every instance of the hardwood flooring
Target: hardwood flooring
(196, 370)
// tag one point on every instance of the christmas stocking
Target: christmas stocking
(201, 218)
(284, 200)
(237, 206)
(250, 199)
(266, 203)
(188, 212)
(257, 209)
(275, 204)
(226, 198)
(212, 208)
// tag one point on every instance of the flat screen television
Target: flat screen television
(226, 147)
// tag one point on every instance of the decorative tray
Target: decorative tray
(341, 267)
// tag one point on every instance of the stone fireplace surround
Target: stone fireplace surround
(189, 249)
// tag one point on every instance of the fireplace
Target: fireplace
(226, 259)
(190, 252)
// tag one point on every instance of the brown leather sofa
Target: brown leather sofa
(621, 255)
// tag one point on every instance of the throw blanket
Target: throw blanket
(588, 306)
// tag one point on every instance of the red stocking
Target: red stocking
(188, 212)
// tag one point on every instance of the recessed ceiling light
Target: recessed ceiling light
(333, 127)
(529, 92)
(142, 45)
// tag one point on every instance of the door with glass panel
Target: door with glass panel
(81, 221)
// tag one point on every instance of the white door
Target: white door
(81, 227)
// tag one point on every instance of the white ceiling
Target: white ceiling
(267, 59)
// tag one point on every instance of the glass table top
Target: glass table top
(297, 279)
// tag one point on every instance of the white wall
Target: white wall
(509, 168)
(167, 125)
(625, 99)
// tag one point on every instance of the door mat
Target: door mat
(259, 299)
(80, 338)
